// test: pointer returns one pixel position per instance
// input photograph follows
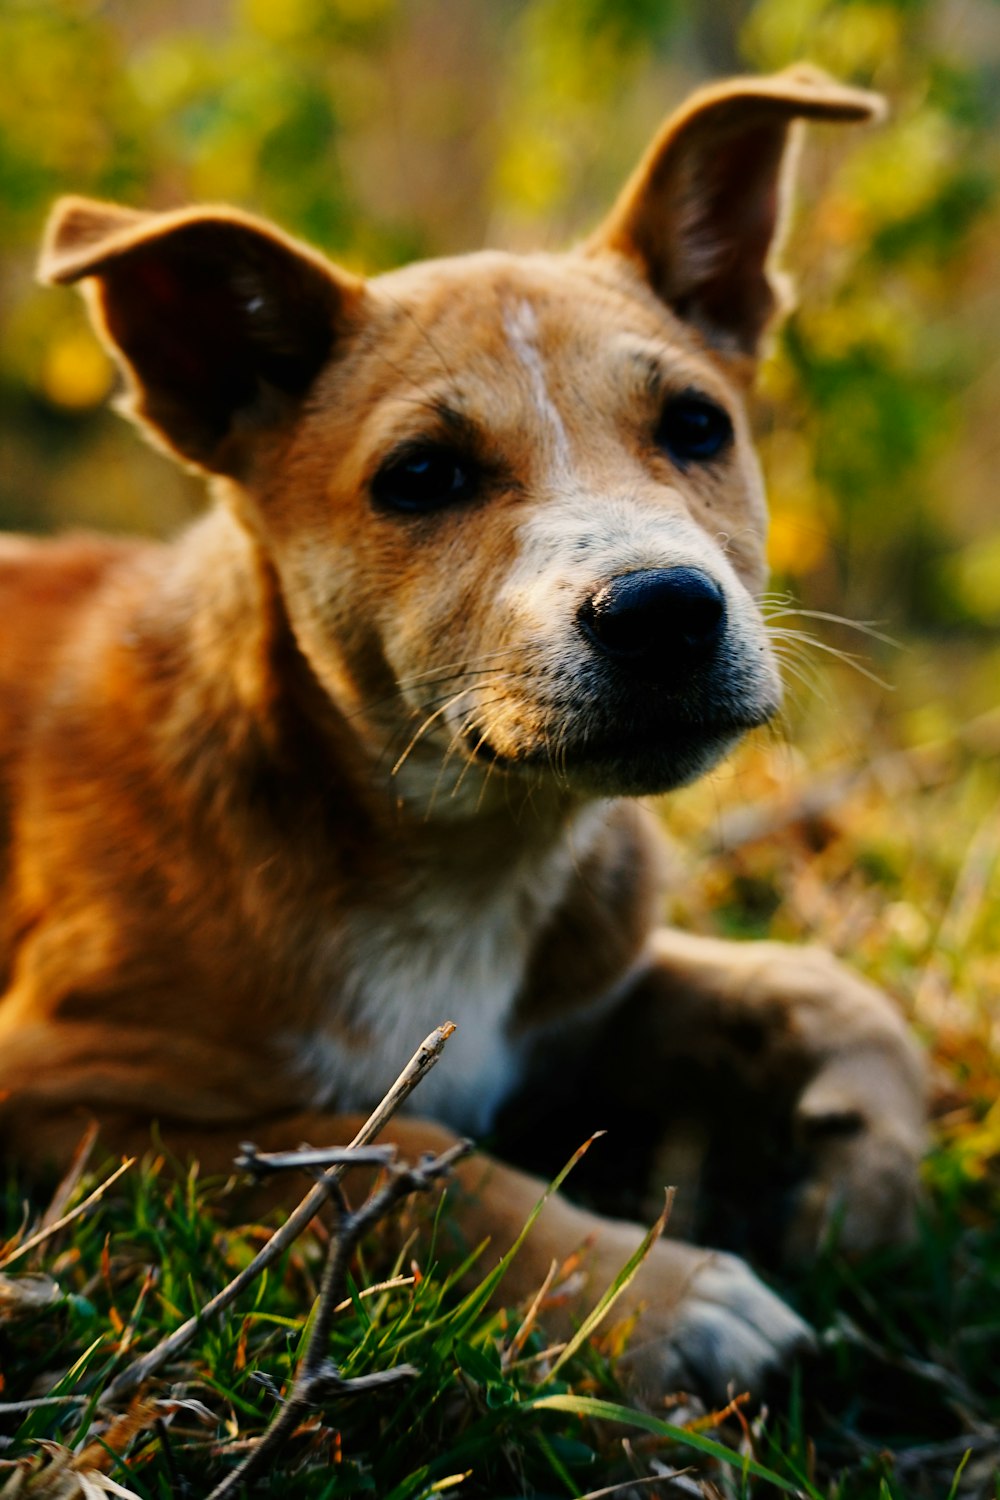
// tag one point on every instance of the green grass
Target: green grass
(909, 1371)
(900, 875)
(153, 1251)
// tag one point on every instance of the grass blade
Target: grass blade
(610, 1411)
(614, 1291)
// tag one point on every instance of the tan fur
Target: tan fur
(321, 774)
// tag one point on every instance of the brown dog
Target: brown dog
(346, 759)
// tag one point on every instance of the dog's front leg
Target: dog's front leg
(703, 1320)
(796, 1026)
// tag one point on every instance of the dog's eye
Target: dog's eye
(425, 479)
(693, 429)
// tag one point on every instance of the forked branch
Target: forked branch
(317, 1379)
(131, 1378)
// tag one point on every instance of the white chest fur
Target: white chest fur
(452, 948)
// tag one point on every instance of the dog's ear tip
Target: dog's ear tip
(699, 215)
(841, 100)
(802, 89)
(76, 229)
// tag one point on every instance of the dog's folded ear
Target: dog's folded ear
(221, 322)
(701, 215)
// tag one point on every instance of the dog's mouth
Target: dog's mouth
(479, 747)
(624, 759)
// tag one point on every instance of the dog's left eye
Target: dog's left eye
(425, 479)
(693, 429)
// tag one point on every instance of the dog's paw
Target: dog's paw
(725, 1333)
(860, 1124)
(860, 1120)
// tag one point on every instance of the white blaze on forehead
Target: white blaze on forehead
(521, 327)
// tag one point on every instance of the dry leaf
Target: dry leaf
(20, 1296)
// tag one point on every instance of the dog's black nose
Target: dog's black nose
(657, 622)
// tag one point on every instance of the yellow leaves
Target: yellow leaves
(795, 546)
(614, 1340)
(573, 68)
(563, 58)
(63, 112)
(284, 21)
(979, 1144)
(908, 924)
(900, 171)
(867, 317)
(75, 372)
(975, 576)
(165, 74)
(530, 172)
(363, 10)
(799, 536)
(228, 170)
(848, 40)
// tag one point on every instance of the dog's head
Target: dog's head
(511, 500)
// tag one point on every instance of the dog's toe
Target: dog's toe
(729, 1334)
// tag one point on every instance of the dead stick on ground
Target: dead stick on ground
(317, 1379)
(627, 1484)
(54, 1228)
(420, 1063)
(819, 796)
(74, 1172)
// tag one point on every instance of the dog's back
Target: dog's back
(116, 934)
(45, 589)
(44, 585)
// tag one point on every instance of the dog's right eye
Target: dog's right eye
(425, 479)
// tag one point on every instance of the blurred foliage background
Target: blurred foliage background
(383, 129)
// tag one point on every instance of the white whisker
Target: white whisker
(863, 627)
(426, 724)
(456, 668)
(810, 642)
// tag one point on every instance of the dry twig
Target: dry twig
(317, 1379)
(420, 1064)
(53, 1228)
(72, 1175)
(923, 764)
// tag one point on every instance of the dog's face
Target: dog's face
(512, 501)
(547, 526)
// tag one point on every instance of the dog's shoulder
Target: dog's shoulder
(46, 589)
(596, 936)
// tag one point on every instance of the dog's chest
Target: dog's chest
(450, 952)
